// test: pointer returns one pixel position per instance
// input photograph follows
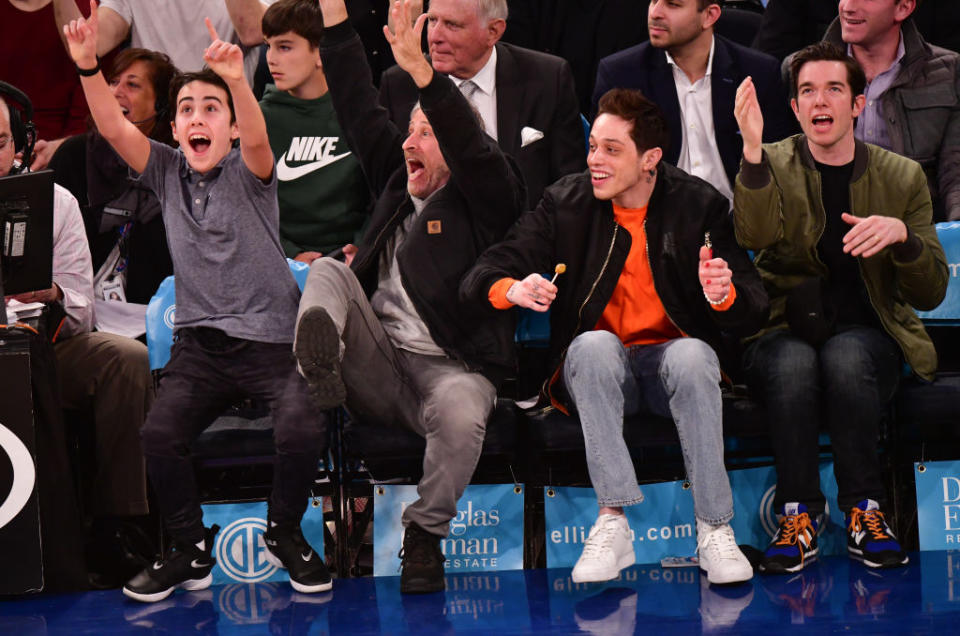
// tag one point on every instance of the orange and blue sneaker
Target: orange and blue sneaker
(794, 546)
(870, 539)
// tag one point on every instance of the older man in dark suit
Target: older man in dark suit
(692, 75)
(526, 98)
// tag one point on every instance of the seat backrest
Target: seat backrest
(163, 305)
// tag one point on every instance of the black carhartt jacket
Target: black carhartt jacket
(484, 196)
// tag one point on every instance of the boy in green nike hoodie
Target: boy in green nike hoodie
(322, 192)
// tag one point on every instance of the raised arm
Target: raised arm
(113, 29)
(247, 16)
(131, 144)
(226, 60)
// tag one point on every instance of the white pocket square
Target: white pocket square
(529, 135)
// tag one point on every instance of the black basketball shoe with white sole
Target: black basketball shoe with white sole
(288, 549)
(184, 565)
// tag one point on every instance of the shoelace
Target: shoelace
(720, 541)
(790, 528)
(419, 552)
(600, 539)
(873, 520)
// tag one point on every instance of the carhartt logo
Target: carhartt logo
(434, 227)
(318, 151)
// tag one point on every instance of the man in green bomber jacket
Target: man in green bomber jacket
(322, 193)
(845, 246)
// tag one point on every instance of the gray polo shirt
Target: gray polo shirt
(223, 232)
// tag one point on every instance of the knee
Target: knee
(845, 358)
(783, 366)
(594, 351)
(458, 414)
(159, 441)
(302, 435)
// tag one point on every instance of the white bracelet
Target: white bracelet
(717, 302)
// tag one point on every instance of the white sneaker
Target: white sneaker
(607, 550)
(719, 555)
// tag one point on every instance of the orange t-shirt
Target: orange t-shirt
(634, 312)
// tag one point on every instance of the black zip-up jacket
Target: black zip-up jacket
(484, 196)
(573, 227)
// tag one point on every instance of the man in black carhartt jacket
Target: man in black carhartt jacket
(637, 318)
(411, 354)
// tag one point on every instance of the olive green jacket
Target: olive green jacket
(779, 213)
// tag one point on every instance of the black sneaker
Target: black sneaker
(316, 345)
(870, 539)
(287, 549)
(185, 566)
(421, 562)
(794, 546)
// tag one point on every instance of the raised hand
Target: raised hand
(871, 234)
(747, 111)
(405, 42)
(81, 35)
(223, 58)
(715, 276)
(533, 292)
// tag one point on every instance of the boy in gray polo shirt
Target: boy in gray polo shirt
(236, 306)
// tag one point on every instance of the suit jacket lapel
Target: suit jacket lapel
(509, 100)
(663, 91)
(723, 85)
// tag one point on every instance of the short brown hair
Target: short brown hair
(703, 4)
(649, 125)
(302, 17)
(162, 73)
(827, 52)
(206, 76)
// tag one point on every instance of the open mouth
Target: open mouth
(598, 177)
(822, 122)
(199, 142)
(414, 168)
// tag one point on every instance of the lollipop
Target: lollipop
(559, 269)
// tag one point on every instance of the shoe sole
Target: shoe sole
(272, 559)
(807, 560)
(190, 585)
(726, 580)
(317, 349)
(626, 561)
(857, 555)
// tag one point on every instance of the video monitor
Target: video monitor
(26, 229)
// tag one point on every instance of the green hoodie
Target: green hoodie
(322, 192)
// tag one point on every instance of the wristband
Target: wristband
(89, 72)
(717, 302)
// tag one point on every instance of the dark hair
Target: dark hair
(207, 77)
(827, 52)
(703, 4)
(302, 17)
(649, 125)
(162, 73)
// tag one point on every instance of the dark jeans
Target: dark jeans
(847, 384)
(208, 371)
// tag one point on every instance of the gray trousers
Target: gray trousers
(438, 398)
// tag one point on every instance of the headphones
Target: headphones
(21, 127)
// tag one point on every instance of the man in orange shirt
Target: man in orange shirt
(653, 278)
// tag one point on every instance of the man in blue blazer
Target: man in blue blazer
(693, 75)
(525, 98)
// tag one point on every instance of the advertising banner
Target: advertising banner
(938, 504)
(948, 312)
(239, 548)
(662, 525)
(486, 534)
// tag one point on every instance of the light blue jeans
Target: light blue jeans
(678, 379)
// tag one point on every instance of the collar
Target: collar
(186, 172)
(713, 45)
(861, 155)
(486, 77)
